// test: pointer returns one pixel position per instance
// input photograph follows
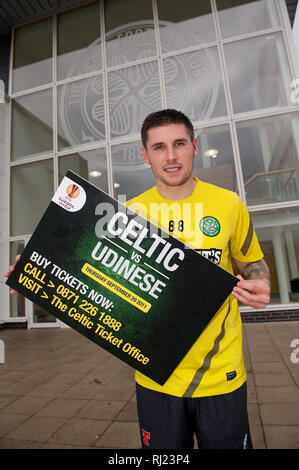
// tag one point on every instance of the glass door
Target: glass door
(39, 317)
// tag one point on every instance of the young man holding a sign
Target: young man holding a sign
(164, 317)
(206, 393)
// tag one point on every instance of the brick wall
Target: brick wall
(247, 317)
(270, 316)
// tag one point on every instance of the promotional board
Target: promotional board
(118, 279)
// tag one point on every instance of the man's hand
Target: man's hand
(255, 293)
(254, 286)
(11, 268)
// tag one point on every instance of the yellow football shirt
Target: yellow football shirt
(216, 223)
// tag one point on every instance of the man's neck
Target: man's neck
(176, 193)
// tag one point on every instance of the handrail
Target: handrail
(272, 172)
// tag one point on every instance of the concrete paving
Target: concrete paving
(59, 390)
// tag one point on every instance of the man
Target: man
(206, 393)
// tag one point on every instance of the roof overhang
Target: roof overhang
(16, 12)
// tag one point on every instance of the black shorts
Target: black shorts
(169, 422)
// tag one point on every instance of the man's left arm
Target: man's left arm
(254, 286)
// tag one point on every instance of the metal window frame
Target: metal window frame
(230, 119)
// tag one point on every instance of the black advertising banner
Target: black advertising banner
(119, 280)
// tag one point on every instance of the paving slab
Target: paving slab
(128, 413)
(101, 409)
(269, 367)
(48, 389)
(6, 399)
(273, 379)
(61, 408)
(120, 435)
(18, 444)
(254, 415)
(26, 405)
(80, 432)
(278, 394)
(10, 421)
(257, 436)
(35, 428)
(282, 437)
(286, 414)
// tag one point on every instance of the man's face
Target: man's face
(170, 152)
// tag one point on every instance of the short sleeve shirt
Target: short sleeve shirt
(216, 223)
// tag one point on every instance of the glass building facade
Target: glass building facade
(82, 81)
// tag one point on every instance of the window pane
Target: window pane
(31, 193)
(194, 84)
(246, 16)
(81, 118)
(130, 32)
(131, 176)
(91, 165)
(32, 125)
(17, 302)
(32, 62)
(214, 163)
(185, 24)
(278, 234)
(78, 41)
(259, 73)
(134, 92)
(269, 150)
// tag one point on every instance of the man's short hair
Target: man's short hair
(165, 118)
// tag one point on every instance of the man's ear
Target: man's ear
(145, 156)
(195, 147)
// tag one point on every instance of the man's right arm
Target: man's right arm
(11, 268)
